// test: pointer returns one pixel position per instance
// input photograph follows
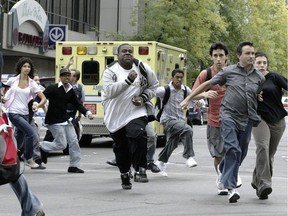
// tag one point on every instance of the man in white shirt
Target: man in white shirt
(126, 90)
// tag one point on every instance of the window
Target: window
(90, 72)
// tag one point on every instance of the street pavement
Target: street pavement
(186, 191)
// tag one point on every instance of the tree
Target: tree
(194, 25)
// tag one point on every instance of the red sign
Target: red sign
(91, 107)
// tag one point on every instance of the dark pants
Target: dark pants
(130, 145)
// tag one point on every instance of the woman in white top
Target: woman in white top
(22, 89)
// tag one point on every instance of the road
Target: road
(186, 191)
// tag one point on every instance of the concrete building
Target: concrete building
(31, 27)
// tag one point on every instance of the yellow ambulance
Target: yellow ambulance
(91, 58)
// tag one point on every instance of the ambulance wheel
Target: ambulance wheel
(66, 150)
(85, 140)
(161, 141)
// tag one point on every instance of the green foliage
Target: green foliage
(194, 25)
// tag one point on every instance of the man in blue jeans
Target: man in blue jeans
(238, 112)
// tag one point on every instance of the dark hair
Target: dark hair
(76, 73)
(23, 61)
(262, 54)
(218, 45)
(119, 47)
(241, 45)
(177, 70)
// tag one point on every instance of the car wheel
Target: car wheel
(161, 141)
(85, 140)
(66, 150)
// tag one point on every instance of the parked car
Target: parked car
(196, 115)
(285, 102)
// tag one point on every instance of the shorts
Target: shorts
(215, 142)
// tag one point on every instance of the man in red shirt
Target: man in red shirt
(219, 56)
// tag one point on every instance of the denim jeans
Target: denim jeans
(236, 146)
(29, 202)
(151, 142)
(64, 134)
(25, 134)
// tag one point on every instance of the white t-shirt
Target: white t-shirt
(19, 104)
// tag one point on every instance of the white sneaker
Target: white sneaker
(239, 181)
(191, 162)
(219, 184)
(162, 166)
(233, 196)
(31, 163)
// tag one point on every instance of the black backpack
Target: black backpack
(165, 100)
(209, 74)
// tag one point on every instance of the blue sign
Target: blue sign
(57, 33)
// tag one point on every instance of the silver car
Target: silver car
(198, 115)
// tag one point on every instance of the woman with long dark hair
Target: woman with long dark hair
(22, 89)
(268, 133)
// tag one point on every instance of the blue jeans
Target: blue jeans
(29, 202)
(25, 132)
(151, 142)
(236, 146)
(64, 134)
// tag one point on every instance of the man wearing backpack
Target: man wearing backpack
(219, 56)
(174, 121)
(30, 204)
(125, 90)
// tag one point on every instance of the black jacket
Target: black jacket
(58, 101)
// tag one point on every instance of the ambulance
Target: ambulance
(91, 59)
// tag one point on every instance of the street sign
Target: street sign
(57, 33)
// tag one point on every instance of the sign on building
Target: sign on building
(57, 33)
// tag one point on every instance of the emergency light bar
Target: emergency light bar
(81, 50)
(143, 50)
(67, 50)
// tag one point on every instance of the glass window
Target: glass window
(90, 72)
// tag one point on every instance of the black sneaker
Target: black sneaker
(126, 184)
(141, 176)
(151, 166)
(112, 162)
(263, 192)
(75, 170)
(44, 155)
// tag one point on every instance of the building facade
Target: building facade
(31, 27)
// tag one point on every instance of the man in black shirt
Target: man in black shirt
(59, 122)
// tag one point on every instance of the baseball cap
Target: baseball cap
(64, 71)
